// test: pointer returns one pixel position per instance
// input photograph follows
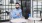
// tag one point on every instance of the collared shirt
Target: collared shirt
(13, 13)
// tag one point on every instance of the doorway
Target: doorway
(25, 6)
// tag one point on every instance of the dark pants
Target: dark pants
(27, 16)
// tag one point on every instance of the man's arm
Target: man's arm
(12, 15)
(21, 13)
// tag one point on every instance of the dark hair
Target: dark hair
(17, 3)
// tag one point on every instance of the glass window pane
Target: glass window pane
(34, 3)
(10, 6)
(3, 2)
(7, 17)
(34, 9)
(35, 12)
(39, 6)
(3, 7)
(6, 2)
(39, 9)
(2, 17)
(34, 6)
(34, 15)
(2, 10)
(13, 6)
(6, 6)
(39, 3)
(6, 10)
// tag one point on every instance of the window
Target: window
(5, 9)
(37, 7)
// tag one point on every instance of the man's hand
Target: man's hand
(18, 14)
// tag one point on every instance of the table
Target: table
(18, 20)
(34, 19)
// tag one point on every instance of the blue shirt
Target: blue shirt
(13, 13)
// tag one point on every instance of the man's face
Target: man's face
(17, 6)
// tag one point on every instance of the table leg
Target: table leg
(34, 21)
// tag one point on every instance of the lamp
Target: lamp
(11, 1)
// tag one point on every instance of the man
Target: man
(27, 13)
(16, 13)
